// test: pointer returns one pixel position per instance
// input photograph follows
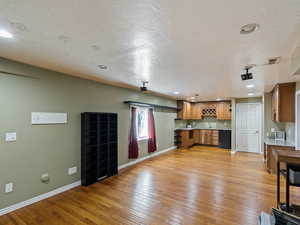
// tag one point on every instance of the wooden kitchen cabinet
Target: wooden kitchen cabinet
(199, 136)
(215, 137)
(189, 111)
(269, 157)
(187, 138)
(185, 112)
(224, 111)
(196, 111)
(207, 137)
(283, 102)
(184, 139)
(210, 137)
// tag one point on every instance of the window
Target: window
(142, 123)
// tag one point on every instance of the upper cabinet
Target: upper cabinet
(283, 102)
(196, 111)
(185, 112)
(189, 111)
(224, 111)
(199, 110)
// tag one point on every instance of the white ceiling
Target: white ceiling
(191, 46)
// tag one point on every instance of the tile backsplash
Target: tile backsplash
(205, 123)
(289, 129)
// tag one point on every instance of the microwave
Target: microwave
(279, 135)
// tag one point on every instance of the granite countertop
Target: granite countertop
(202, 128)
(272, 141)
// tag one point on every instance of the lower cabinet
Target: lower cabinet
(187, 138)
(209, 137)
(197, 137)
(202, 137)
(214, 137)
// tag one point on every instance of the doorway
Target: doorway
(248, 127)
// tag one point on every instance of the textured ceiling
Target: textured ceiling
(193, 46)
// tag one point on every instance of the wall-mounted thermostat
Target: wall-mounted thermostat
(48, 118)
(9, 137)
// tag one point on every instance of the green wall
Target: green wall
(54, 148)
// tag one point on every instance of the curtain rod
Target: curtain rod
(149, 105)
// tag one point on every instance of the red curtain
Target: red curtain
(151, 127)
(133, 148)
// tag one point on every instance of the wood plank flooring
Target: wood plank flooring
(202, 185)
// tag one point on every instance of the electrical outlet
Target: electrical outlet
(10, 137)
(45, 178)
(72, 170)
(9, 187)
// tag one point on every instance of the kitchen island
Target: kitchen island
(272, 145)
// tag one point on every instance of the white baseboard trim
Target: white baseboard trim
(70, 186)
(38, 198)
(146, 157)
(233, 152)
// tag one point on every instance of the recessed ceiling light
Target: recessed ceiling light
(249, 28)
(250, 94)
(218, 99)
(249, 86)
(5, 34)
(103, 67)
(176, 93)
(192, 98)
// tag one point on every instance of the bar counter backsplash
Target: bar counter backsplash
(203, 124)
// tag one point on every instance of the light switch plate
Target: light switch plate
(9, 187)
(72, 170)
(10, 137)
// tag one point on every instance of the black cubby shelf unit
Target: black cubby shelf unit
(99, 146)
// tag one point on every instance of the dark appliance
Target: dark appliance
(225, 139)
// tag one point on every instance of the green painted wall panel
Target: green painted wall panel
(55, 148)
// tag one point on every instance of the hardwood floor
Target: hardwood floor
(202, 185)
